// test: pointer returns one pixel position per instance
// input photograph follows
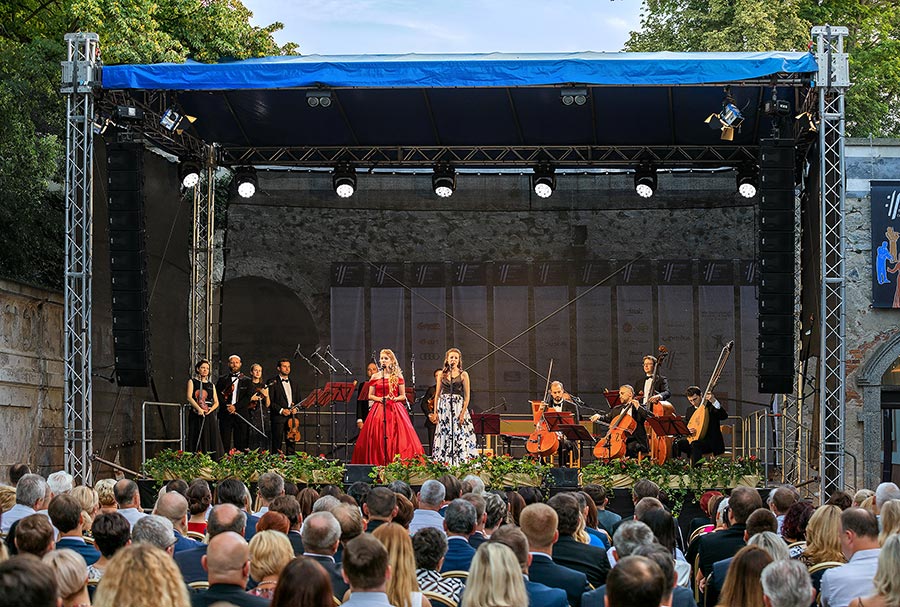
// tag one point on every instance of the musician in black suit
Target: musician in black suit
(637, 440)
(654, 391)
(362, 397)
(284, 394)
(712, 441)
(232, 388)
(560, 400)
(428, 406)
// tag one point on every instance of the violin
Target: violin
(612, 446)
(260, 391)
(293, 427)
(200, 397)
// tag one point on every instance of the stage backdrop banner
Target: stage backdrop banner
(470, 307)
(348, 318)
(885, 197)
(510, 317)
(716, 294)
(593, 321)
(388, 312)
(634, 319)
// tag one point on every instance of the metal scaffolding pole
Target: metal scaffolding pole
(80, 76)
(832, 82)
(202, 320)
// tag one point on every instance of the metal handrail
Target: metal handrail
(144, 440)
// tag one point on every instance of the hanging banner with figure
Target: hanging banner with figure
(885, 197)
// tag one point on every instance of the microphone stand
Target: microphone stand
(347, 371)
(385, 386)
(331, 407)
(317, 373)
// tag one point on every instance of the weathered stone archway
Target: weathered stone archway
(868, 379)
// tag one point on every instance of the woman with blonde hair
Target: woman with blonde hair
(823, 541)
(495, 578)
(886, 583)
(270, 552)
(890, 520)
(141, 575)
(403, 586)
(7, 497)
(105, 495)
(742, 587)
(90, 504)
(71, 576)
(387, 418)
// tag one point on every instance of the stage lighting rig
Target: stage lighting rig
(444, 180)
(344, 180)
(189, 172)
(247, 184)
(543, 182)
(728, 119)
(578, 96)
(645, 181)
(171, 120)
(318, 99)
(748, 180)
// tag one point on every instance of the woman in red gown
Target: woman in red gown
(387, 395)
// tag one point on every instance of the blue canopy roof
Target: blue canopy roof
(445, 71)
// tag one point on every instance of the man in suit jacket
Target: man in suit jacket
(655, 391)
(321, 538)
(366, 572)
(459, 523)
(235, 492)
(539, 524)
(290, 507)
(712, 441)
(174, 507)
(539, 595)
(284, 395)
(380, 508)
(232, 389)
(569, 552)
(227, 562)
(635, 580)
(478, 537)
(223, 518)
(66, 515)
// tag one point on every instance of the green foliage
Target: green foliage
(497, 472)
(765, 25)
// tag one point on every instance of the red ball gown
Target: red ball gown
(402, 438)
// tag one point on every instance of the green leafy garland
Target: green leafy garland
(497, 472)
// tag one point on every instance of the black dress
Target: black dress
(203, 436)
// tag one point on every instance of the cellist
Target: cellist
(712, 441)
(637, 440)
(560, 400)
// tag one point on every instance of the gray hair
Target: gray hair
(629, 536)
(495, 508)
(154, 530)
(432, 493)
(787, 583)
(30, 489)
(270, 485)
(61, 482)
(771, 543)
(320, 532)
(476, 482)
(885, 492)
(460, 517)
(326, 503)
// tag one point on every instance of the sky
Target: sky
(334, 27)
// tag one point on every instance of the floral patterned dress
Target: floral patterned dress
(454, 443)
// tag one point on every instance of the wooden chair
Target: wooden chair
(195, 535)
(697, 533)
(694, 572)
(337, 601)
(456, 574)
(813, 569)
(200, 585)
(439, 600)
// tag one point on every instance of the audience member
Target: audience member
(429, 548)
(34, 535)
(31, 496)
(366, 571)
(793, 529)
(273, 521)
(459, 523)
(173, 506)
(662, 524)
(628, 536)
(291, 489)
(270, 552)
(16, 472)
(306, 498)
(7, 498)
(567, 551)
(27, 582)
(707, 505)
(885, 492)
(141, 575)
(405, 511)
(859, 544)
(156, 531)
(321, 537)
(598, 538)
(90, 505)
(431, 498)
(67, 516)
(841, 499)
(111, 533)
(539, 524)
(786, 583)
(178, 485)
(234, 492)
(539, 595)
(886, 583)
(223, 518)
(380, 508)
(478, 536)
(402, 588)
(495, 579)
(332, 490)
(635, 581)
(605, 518)
(714, 547)
(128, 500)
(495, 512)
(303, 583)
(227, 563)
(823, 541)
(290, 507)
(452, 486)
(269, 486)
(326, 503)
(860, 496)
(403, 488)
(760, 521)
(199, 499)
(71, 577)
(516, 504)
(742, 586)
(350, 519)
(60, 482)
(889, 520)
(674, 594)
(106, 495)
(359, 491)
(780, 500)
(473, 484)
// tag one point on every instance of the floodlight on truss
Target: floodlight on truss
(189, 172)
(543, 181)
(172, 120)
(344, 180)
(645, 181)
(727, 119)
(748, 180)
(247, 184)
(444, 180)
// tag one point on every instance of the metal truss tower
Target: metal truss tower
(202, 320)
(80, 76)
(832, 82)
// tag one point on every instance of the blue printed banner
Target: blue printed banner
(885, 197)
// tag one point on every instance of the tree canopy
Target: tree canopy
(758, 25)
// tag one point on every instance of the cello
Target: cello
(542, 441)
(612, 446)
(700, 419)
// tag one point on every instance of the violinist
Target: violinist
(637, 440)
(712, 441)
(203, 434)
(232, 388)
(284, 396)
(655, 387)
(560, 400)
(256, 402)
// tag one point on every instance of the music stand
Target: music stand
(486, 423)
(669, 425)
(557, 418)
(335, 392)
(612, 397)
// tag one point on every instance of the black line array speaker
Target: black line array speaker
(775, 367)
(128, 264)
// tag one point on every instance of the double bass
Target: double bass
(700, 419)
(660, 444)
(542, 441)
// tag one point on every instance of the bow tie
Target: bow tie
(235, 375)
(285, 380)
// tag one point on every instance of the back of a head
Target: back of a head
(69, 571)
(885, 492)
(106, 495)
(111, 532)
(231, 491)
(360, 490)
(405, 511)
(772, 543)
(321, 532)
(629, 535)
(787, 583)
(274, 521)
(154, 530)
(861, 522)
(646, 504)
(226, 517)
(635, 581)
(429, 547)
(841, 499)
(303, 582)
(664, 559)
(270, 485)
(326, 503)
(65, 513)
(350, 520)
(597, 493)
(476, 483)
(125, 491)
(742, 502)
(226, 555)
(539, 524)
(178, 485)
(644, 488)
(432, 493)
(513, 538)
(460, 517)
(172, 506)
(403, 488)
(761, 519)
(495, 508)
(34, 535)
(199, 496)
(365, 562)
(476, 500)
(30, 489)
(452, 486)
(61, 482)
(662, 524)
(16, 472)
(381, 502)
(567, 511)
(742, 585)
(860, 496)
(783, 498)
(270, 551)
(141, 574)
(796, 519)
(288, 506)
(27, 582)
(495, 577)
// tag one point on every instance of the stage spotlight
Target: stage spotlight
(189, 171)
(543, 182)
(747, 180)
(578, 96)
(444, 181)
(245, 177)
(171, 120)
(128, 112)
(318, 99)
(344, 181)
(645, 181)
(728, 119)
